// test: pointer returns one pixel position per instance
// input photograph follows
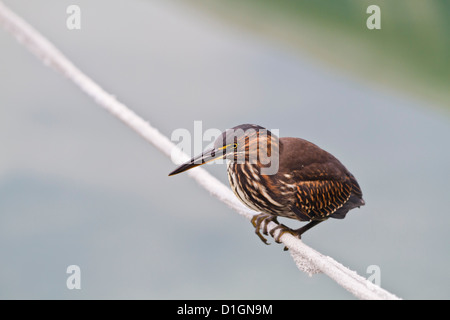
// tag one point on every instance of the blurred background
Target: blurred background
(79, 187)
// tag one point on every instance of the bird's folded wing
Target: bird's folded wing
(318, 199)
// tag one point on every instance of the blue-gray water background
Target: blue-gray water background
(78, 187)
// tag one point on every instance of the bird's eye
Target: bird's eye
(235, 145)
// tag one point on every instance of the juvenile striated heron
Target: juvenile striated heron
(282, 177)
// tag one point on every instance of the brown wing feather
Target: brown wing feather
(324, 187)
(318, 199)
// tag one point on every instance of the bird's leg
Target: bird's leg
(305, 228)
(257, 220)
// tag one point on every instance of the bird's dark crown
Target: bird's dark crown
(247, 141)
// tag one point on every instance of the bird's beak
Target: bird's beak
(205, 157)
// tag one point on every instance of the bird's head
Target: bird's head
(244, 143)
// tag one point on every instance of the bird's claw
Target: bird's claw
(282, 230)
(261, 237)
(262, 219)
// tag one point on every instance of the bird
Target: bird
(282, 177)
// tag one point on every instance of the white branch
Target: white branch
(306, 258)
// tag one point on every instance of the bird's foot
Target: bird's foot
(262, 219)
(282, 230)
(296, 233)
